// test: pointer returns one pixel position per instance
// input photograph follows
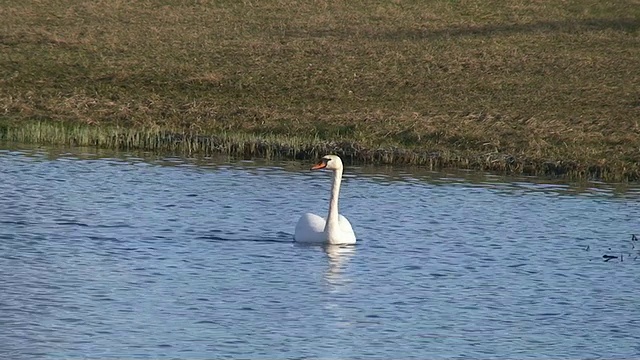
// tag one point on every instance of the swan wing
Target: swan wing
(347, 234)
(310, 229)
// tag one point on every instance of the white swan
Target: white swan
(336, 229)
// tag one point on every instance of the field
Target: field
(535, 87)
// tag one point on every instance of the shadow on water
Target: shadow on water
(338, 256)
(280, 237)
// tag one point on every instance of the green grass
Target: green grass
(533, 87)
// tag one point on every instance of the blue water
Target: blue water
(120, 255)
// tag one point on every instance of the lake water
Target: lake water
(125, 255)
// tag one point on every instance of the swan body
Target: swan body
(310, 229)
(335, 228)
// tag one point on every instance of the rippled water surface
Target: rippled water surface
(132, 256)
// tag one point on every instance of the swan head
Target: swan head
(329, 162)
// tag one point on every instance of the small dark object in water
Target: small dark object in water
(587, 248)
(608, 257)
(634, 237)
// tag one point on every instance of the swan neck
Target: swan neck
(332, 218)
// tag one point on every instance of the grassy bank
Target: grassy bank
(542, 87)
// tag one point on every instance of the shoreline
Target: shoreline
(294, 148)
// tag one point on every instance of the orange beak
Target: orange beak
(320, 165)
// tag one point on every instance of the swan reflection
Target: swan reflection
(337, 283)
(338, 257)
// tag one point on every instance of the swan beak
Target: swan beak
(320, 165)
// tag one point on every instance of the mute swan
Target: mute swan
(336, 229)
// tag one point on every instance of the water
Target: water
(134, 256)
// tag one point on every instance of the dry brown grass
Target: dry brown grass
(526, 86)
